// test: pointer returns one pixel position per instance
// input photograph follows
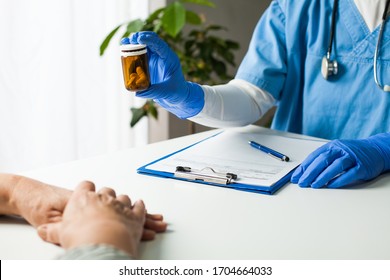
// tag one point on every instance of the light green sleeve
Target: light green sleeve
(95, 252)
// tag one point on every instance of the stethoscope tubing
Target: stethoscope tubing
(331, 66)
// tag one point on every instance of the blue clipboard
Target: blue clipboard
(208, 177)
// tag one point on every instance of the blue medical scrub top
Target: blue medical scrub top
(284, 58)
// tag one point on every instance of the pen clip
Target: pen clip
(206, 174)
(275, 157)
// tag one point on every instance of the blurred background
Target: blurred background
(61, 101)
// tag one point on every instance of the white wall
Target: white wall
(59, 100)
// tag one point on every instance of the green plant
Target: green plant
(204, 56)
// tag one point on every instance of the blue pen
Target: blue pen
(269, 151)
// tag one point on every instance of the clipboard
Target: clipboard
(225, 159)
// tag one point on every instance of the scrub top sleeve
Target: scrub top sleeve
(236, 103)
(264, 64)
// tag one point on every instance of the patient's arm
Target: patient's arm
(33, 200)
(40, 203)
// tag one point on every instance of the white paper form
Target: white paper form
(230, 151)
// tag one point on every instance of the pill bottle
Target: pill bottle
(135, 67)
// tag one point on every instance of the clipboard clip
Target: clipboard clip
(206, 174)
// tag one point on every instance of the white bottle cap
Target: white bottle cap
(132, 49)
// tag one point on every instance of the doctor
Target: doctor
(325, 64)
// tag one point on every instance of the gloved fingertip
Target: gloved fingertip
(133, 37)
(316, 186)
(125, 41)
(295, 177)
(303, 184)
(147, 35)
(297, 170)
(294, 180)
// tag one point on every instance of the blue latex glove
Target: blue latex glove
(342, 162)
(168, 87)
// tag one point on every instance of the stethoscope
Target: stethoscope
(330, 67)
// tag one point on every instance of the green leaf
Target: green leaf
(200, 2)
(193, 18)
(174, 18)
(157, 27)
(193, 33)
(107, 40)
(228, 56)
(232, 45)
(152, 110)
(219, 67)
(188, 45)
(126, 34)
(215, 27)
(138, 113)
(152, 17)
(135, 26)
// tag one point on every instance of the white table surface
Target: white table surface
(207, 222)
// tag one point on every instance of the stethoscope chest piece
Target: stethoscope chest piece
(328, 67)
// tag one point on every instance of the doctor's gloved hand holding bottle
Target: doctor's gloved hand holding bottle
(168, 87)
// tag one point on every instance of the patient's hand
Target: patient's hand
(37, 202)
(98, 218)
